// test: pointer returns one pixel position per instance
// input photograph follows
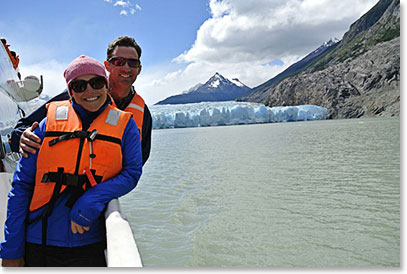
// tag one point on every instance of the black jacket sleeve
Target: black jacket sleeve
(146, 138)
(35, 116)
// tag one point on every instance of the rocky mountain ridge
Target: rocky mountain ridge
(359, 77)
(259, 94)
(368, 85)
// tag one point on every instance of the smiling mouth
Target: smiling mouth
(125, 75)
(91, 99)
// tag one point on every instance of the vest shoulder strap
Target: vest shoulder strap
(137, 103)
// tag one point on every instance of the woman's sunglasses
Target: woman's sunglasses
(79, 86)
(120, 61)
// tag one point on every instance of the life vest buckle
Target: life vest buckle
(92, 135)
(74, 180)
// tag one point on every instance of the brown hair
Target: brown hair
(123, 41)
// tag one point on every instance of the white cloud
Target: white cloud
(242, 31)
(219, 8)
(158, 83)
(242, 38)
(127, 7)
(122, 4)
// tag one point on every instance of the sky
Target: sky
(184, 42)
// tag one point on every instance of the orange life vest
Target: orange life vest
(136, 107)
(68, 155)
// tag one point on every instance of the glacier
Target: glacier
(206, 114)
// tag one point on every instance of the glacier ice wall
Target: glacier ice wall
(230, 113)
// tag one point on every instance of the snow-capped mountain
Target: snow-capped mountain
(193, 88)
(217, 88)
(322, 48)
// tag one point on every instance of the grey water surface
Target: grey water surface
(306, 194)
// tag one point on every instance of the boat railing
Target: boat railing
(122, 249)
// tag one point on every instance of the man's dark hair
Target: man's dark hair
(123, 41)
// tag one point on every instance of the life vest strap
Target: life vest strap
(90, 135)
(76, 134)
(78, 191)
(50, 207)
(68, 179)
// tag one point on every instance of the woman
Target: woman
(90, 154)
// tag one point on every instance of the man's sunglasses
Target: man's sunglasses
(120, 61)
(79, 86)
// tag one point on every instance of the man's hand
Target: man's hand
(12, 262)
(29, 142)
(78, 228)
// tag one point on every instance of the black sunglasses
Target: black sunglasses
(120, 61)
(79, 86)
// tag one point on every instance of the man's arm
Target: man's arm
(146, 140)
(26, 122)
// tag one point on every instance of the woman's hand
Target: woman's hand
(78, 228)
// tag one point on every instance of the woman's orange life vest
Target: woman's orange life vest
(69, 154)
(136, 107)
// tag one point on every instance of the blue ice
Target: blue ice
(230, 113)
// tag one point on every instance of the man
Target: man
(123, 65)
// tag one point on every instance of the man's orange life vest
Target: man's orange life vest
(136, 107)
(73, 157)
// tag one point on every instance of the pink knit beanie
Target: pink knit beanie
(83, 65)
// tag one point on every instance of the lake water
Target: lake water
(307, 194)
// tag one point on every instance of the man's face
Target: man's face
(123, 76)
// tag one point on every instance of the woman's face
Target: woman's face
(92, 98)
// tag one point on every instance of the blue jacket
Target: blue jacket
(87, 209)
